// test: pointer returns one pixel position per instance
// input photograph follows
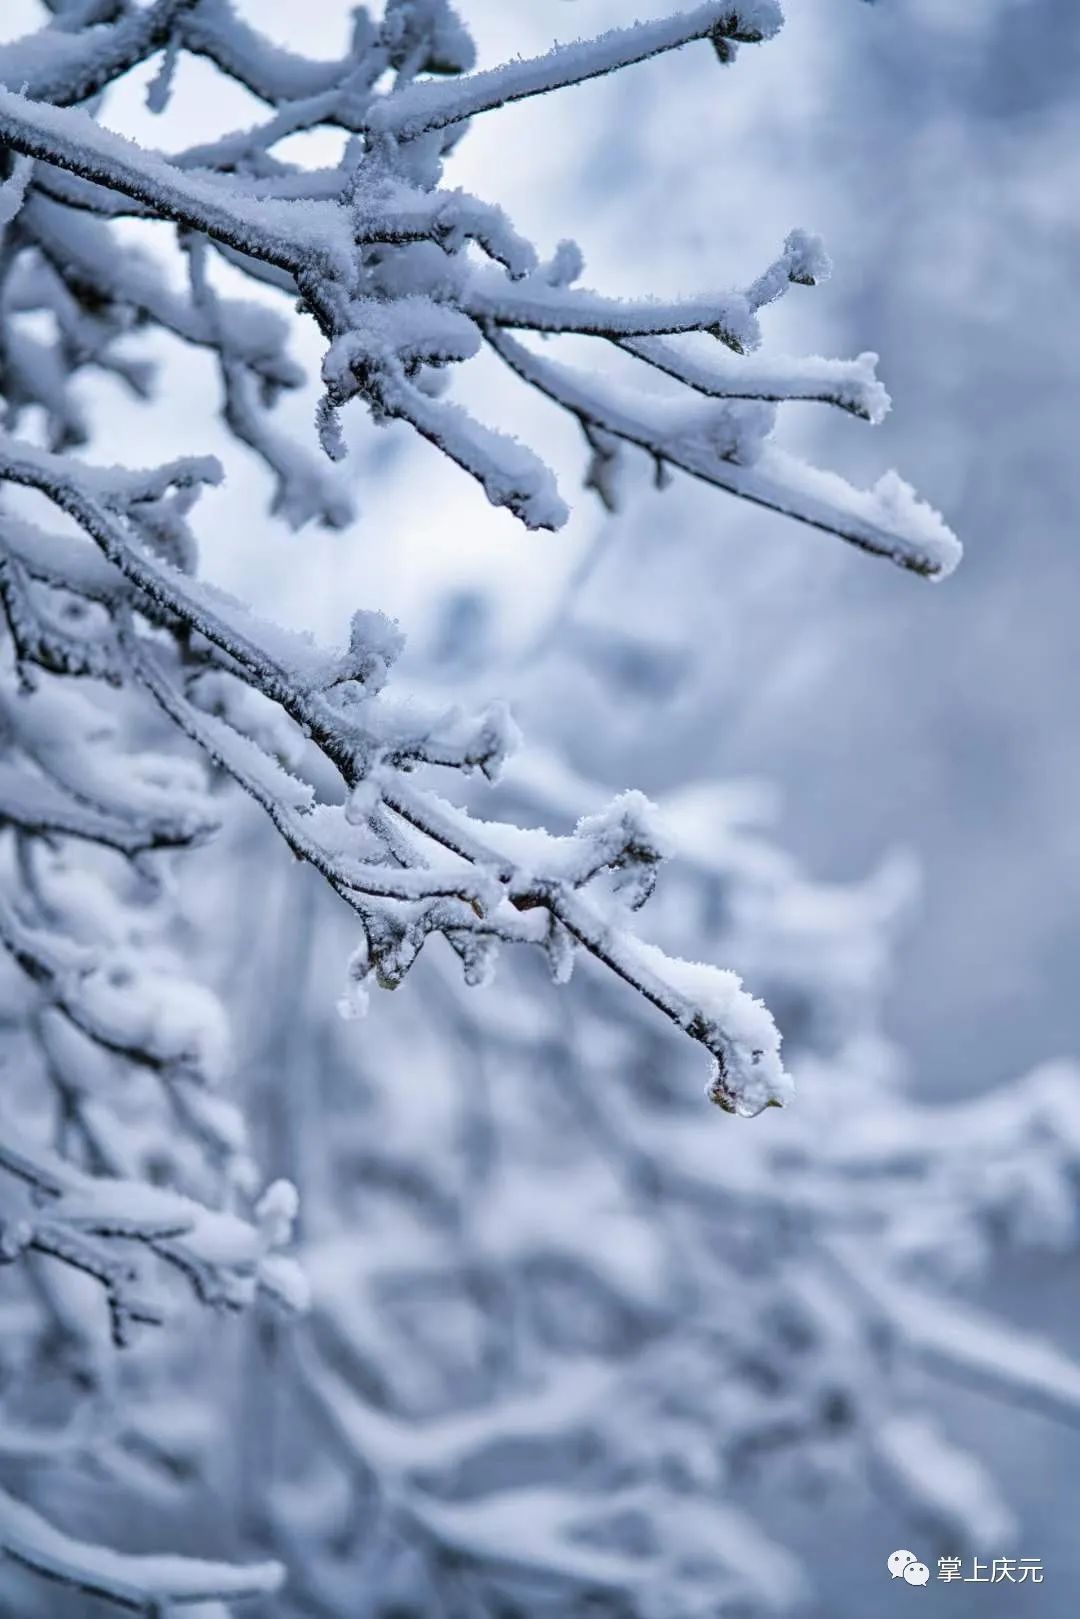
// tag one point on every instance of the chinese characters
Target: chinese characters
(1015, 1570)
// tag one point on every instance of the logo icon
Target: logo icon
(906, 1566)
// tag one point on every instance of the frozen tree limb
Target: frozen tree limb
(710, 1006)
(144, 1584)
(343, 244)
(421, 107)
(727, 447)
(851, 385)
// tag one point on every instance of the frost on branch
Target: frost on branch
(127, 1179)
(127, 1190)
(142, 1584)
(404, 276)
(405, 859)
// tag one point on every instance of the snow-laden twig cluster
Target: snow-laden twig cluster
(406, 277)
(138, 1584)
(586, 1349)
(408, 862)
(566, 1348)
(107, 624)
(126, 1185)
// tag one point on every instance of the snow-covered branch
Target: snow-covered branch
(498, 878)
(409, 112)
(379, 254)
(727, 445)
(148, 1585)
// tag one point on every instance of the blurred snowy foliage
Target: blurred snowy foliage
(558, 1312)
